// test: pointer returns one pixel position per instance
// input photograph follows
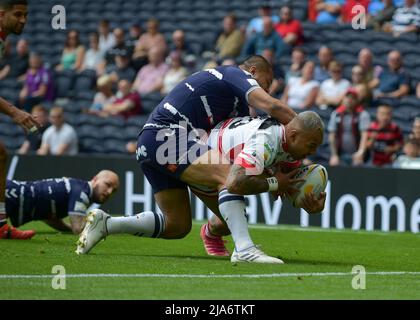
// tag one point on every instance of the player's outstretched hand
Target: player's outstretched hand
(25, 120)
(312, 204)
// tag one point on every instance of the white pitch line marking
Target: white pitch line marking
(212, 276)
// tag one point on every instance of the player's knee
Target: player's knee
(178, 230)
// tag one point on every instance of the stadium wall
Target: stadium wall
(358, 198)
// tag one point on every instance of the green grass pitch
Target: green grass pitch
(318, 266)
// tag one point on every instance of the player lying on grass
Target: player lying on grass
(51, 200)
(256, 145)
(260, 143)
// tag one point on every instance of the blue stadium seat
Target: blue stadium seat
(11, 130)
(380, 47)
(84, 81)
(112, 132)
(64, 83)
(411, 60)
(406, 112)
(131, 133)
(412, 101)
(90, 145)
(116, 121)
(71, 118)
(137, 121)
(89, 131)
(113, 146)
(85, 94)
(75, 106)
(394, 102)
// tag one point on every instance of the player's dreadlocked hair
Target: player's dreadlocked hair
(8, 4)
(258, 61)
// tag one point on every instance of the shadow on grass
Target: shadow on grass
(173, 256)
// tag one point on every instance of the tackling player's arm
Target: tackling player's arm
(260, 99)
(22, 118)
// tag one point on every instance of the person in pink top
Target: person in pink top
(151, 39)
(150, 77)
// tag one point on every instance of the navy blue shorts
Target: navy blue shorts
(164, 154)
(20, 204)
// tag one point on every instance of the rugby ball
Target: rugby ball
(316, 178)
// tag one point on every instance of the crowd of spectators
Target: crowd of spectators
(129, 65)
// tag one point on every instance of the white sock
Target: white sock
(145, 224)
(232, 208)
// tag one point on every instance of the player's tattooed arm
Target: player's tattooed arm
(238, 182)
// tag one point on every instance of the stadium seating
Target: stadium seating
(202, 21)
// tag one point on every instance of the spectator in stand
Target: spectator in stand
(134, 35)
(127, 103)
(268, 38)
(393, 82)
(418, 90)
(119, 46)
(151, 39)
(230, 41)
(405, 19)
(73, 53)
(93, 56)
(415, 132)
(106, 37)
(384, 138)
(332, 91)
(33, 141)
(38, 85)
(150, 78)
(175, 74)
(256, 24)
(277, 85)
(121, 68)
(359, 84)
(312, 11)
(300, 93)
(328, 11)
(365, 60)
(298, 61)
(325, 56)
(347, 13)
(289, 28)
(379, 13)
(60, 138)
(104, 96)
(347, 129)
(182, 47)
(411, 157)
(16, 65)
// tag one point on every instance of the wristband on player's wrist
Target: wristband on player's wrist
(273, 184)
